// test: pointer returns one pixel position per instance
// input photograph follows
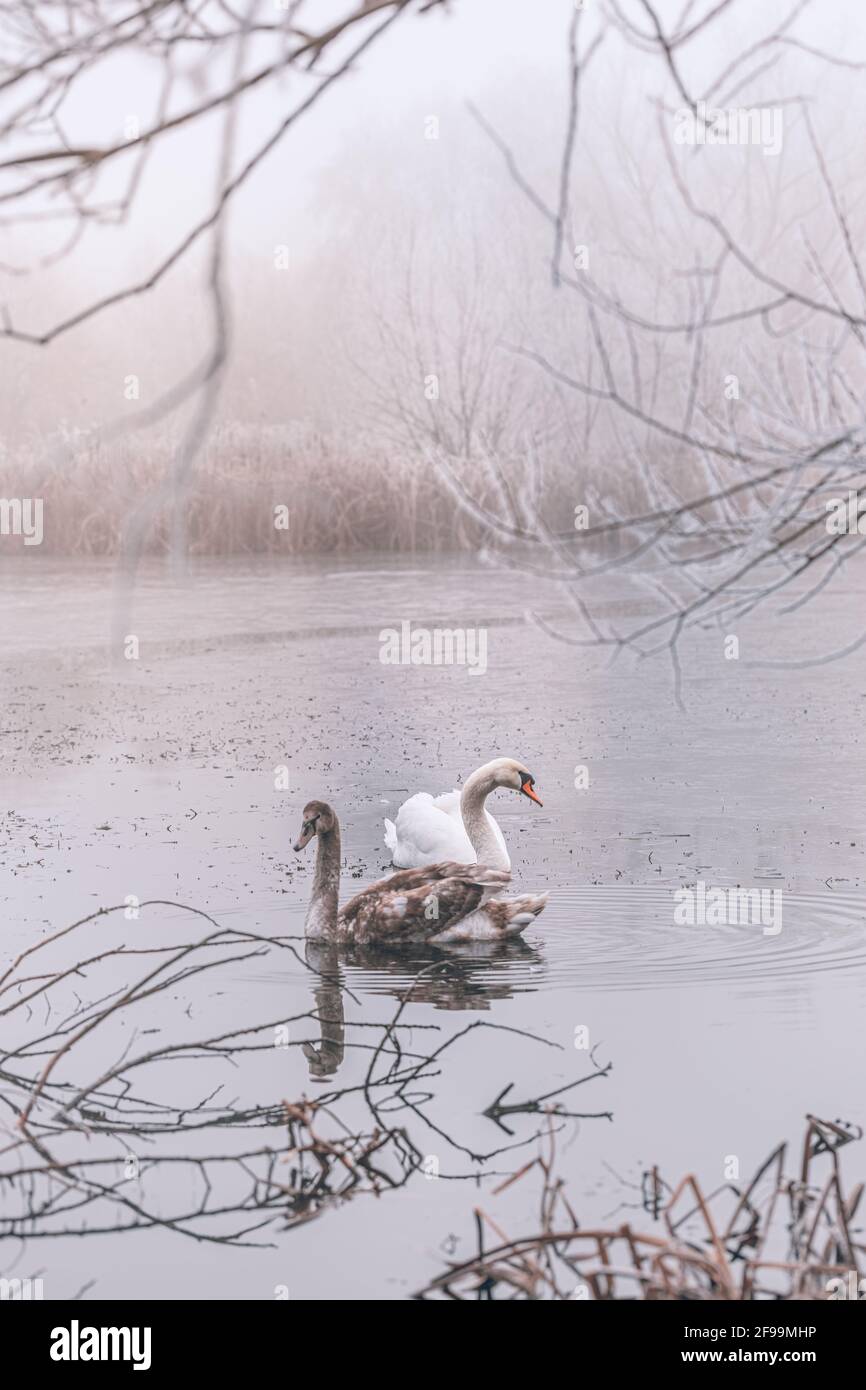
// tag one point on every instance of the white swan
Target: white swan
(456, 825)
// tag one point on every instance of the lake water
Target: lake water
(163, 778)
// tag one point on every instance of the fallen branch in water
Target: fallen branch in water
(538, 1105)
(128, 1098)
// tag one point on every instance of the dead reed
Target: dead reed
(781, 1236)
(342, 494)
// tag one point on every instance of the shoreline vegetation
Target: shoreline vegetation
(776, 1237)
(273, 489)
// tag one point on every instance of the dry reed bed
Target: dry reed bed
(343, 494)
(782, 1237)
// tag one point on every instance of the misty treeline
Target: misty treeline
(546, 301)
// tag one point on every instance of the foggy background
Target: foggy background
(407, 256)
(694, 381)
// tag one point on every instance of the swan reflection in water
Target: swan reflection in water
(426, 935)
(459, 977)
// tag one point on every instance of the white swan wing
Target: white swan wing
(449, 802)
(425, 833)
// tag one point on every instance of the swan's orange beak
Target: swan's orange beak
(527, 790)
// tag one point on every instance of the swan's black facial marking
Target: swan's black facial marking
(308, 830)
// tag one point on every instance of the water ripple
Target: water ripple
(624, 938)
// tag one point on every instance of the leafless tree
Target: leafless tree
(209, 57)
(736, 492)
(733, 512)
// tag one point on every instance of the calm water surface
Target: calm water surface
(156, 778)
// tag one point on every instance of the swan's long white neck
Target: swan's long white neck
(321, 919)
(476, 821)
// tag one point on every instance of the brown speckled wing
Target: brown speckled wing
(413, 910)
(406, 879)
